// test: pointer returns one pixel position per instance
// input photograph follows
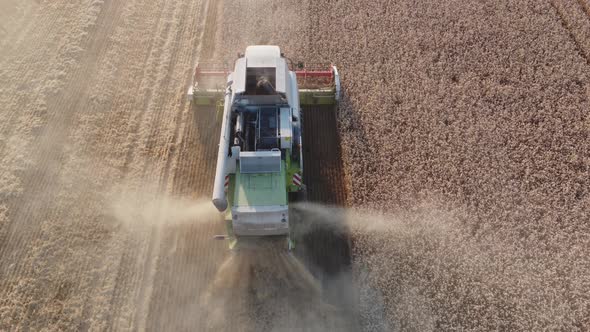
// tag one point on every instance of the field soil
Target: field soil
(460, 152)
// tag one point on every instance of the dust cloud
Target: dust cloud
(373, 304)
(423, 270)
(139, 209)
(261, 286)
(343, 220)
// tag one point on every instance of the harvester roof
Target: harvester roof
(262, 56)
(259, 61)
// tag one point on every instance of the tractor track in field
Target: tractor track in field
(41, 182)
(148, 300)
(28, 64)
(170, 269)
(125, 281)
(586, 6)
(118, 116)
(165, 153)
(575, 18)
(323, 173)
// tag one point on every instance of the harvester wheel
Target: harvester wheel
(298, 196)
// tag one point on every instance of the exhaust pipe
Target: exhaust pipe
(219, 198)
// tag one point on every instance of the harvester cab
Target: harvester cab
(260, 157)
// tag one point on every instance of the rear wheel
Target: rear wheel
(295, 198)
(298, 196)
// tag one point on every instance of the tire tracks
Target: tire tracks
(35, 208)
(51, 219)
(41, 182)
(143, 255)
(36, 197)
(570, 14)
(189, 257)
(29, 73)
(166, 154)
(586, 6)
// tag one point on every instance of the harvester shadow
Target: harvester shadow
(323, 246)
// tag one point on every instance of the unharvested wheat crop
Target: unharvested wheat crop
(479, 109)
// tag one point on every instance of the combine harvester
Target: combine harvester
(260, 158)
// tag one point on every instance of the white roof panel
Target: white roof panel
(262, 56)
(260, 161)
(281, 78)
(239, 76)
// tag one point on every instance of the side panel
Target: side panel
(282, 75)
(286, 130)
(260, 220)
(293, 95)
(230, 197)
(239, 76)
(260, 162)
(297, 127)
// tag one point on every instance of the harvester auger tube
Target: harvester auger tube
(260, 158)
(219, 194)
